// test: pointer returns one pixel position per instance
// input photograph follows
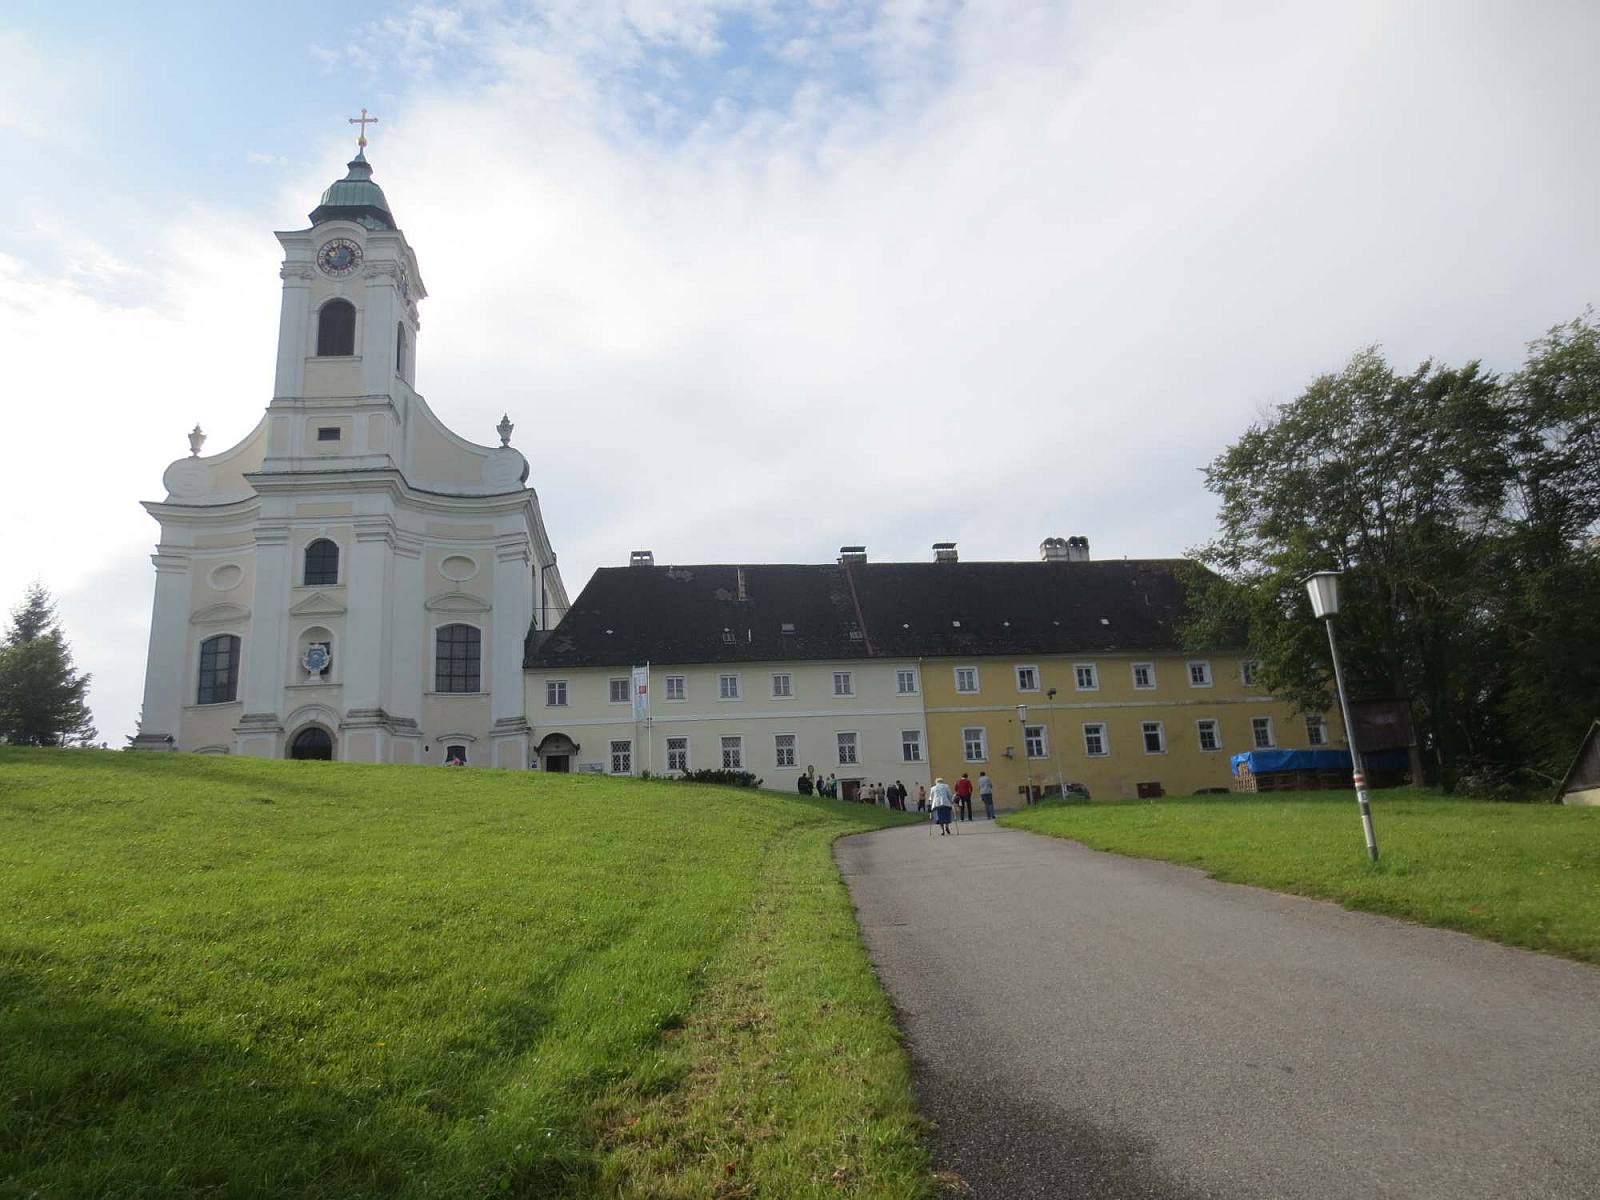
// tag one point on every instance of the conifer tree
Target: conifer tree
(41, 695)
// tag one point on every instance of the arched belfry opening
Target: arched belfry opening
(313, 743)
(336, 329)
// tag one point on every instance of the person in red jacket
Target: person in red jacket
(964, 796)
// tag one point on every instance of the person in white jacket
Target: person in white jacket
(941, 800)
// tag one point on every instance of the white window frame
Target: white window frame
(844, 683)
(677, 688)
(1255, 736)
(901, 676)
(785, 691)
(1161, 736)
(1319, 722)
(1200, 734)
(854, 744)
(1021, 687)
(967, 742)
(1041, 736)
(1094, 677)
(778, 749)
(1104, 736)
(555, 693)
(1249, 668)
(732, 743)
(615, 686)
(911, 745)
(1205, 672)
(977, 684)
(622, 753)
(728, 687)
(684, 750)
(1149, 669)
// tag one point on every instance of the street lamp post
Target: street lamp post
(1323, 588)
(1022, 720)
(1055, 750)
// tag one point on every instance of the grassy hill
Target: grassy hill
(246, 978)
(1524, 874)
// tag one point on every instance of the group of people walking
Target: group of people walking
(944, 800)
(956, 801)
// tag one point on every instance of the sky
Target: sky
(756, 279)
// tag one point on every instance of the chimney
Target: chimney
(852, 555)
(642, 558)
(1077, 549)
(1053, 549)
(944, 552)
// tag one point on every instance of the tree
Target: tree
(1462, 507)
(41, 696)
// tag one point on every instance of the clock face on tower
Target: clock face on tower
(339, 257)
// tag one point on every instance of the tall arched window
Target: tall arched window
(219, 670)
(322, 562)
(457, 649)
(336, 329)
(400, 350)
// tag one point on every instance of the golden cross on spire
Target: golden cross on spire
(363, 120)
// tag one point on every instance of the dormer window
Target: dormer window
(336, 329)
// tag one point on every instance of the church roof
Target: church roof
(772, 613)
(355, 197)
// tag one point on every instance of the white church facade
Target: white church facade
(353, 580)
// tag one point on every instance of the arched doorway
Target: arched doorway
(313, 742)
(557, 751)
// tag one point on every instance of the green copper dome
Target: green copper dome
(355, 198)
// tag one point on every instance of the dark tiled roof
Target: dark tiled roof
(897, 610)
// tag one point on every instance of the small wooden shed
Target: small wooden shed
(1582, 782)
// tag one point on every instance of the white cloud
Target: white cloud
(1025, 278)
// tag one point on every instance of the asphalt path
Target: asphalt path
(1084, 1025)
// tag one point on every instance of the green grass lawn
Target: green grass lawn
(1526, 875)
(228, 977)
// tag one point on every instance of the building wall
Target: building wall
(1181, 767)
(877, 712)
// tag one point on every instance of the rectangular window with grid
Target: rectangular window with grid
(733, 754)
(1144, 676)
(219, 670)
(619, 691)
(905, 682)
(975, 744)
(677, 754)
(1027, 679)
(843, 684)
(847, 749)
(728, 687)
(1095, 742)
(1316, 730)
(911, 745)
(783, 747)
(457, 650)
(676, 687)
(622, 758)
(1155, 737)
(1199, 674)
(966, 679)
(1087, 677)
(1210, 739)
(783, 686)
(555, 693)
(1033, 742)
(1261, 732)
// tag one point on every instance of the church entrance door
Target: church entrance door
(559, 763)
(312, 742)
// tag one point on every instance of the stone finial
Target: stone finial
(196, 440)
(504, 429)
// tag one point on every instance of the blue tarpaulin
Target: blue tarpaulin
(1271, 762)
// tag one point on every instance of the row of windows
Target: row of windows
(458, 657)
(729, 687)
(731, 750)
(1086, 676)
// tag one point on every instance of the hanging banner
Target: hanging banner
(641, 692)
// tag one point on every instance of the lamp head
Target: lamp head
(1323, 587)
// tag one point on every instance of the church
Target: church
(354, 580)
